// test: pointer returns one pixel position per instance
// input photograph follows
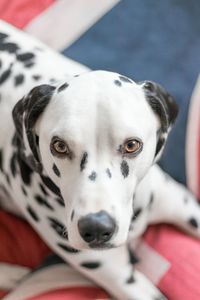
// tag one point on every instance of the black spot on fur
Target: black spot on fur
(60, 201)
(51, 186)
(36, 77)
(108, 173)
(24, 57)
(13, 164)
(133, 258)
(5, 75)
(37, 140)
(93, 176)
(18, 79)
(32, 213)
(130, 280)
(125, 79)
(58, 227)
(151, 201)
(1, 160)
(84, 161)
(137, 212)
(25, 171)
(43, 202)
(3, 36)
(124, 168)
(43, 189)
(117, 82)
(193, 222)
(72, 215)
(24, 191)
(8, 179)
(91, 265)
(185, 199)
(63, 87)
(9, 47)
(29, 65)
(56, 171)
(68, 249)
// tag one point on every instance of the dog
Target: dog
(78, 160)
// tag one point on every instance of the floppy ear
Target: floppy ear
(165, 107)
(25, 114)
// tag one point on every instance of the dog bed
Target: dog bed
(173, 262)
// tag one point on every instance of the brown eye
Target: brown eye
(59, 147)
(132, 146)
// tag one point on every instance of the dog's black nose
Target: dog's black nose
(98, 227)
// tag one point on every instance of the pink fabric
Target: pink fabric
(182, 281)
(20, 12)
(19, 243)
(78, 293)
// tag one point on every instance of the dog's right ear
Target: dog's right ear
(25, 114)
(165, 107)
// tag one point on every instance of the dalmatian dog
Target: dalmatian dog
(77, 160)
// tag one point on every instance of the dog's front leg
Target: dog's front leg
(112, 270)
(173, 203)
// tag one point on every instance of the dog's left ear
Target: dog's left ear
(165, 107)
(25, 114)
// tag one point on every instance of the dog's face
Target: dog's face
(97, 136)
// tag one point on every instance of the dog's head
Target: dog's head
(95, 137)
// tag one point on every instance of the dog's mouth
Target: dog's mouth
(99, 245)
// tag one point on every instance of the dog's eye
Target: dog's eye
(59, 147)
(133, 146)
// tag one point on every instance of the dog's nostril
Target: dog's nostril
(88, 237)
(106, 234)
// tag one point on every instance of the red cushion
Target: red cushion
(19, 243)
(77, 293)
(20, 12)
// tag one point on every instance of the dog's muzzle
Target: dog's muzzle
(97, 228)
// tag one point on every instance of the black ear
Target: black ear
(164, 107)
(25, 114)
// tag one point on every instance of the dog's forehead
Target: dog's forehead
(101, 87)
(103, 79)
(104, 76)
(101, 101)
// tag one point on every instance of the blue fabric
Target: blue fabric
(150, 39)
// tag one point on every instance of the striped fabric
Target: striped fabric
(173, 269)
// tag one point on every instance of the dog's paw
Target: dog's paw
(191, 216)
(140, 288)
